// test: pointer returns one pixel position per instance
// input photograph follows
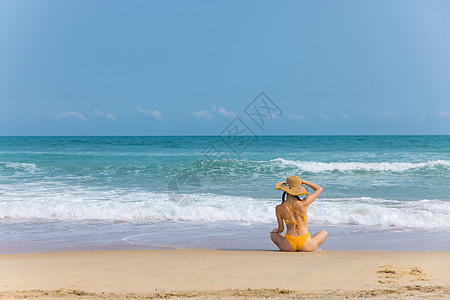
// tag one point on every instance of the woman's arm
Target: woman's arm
(317, 190)
(280, 228)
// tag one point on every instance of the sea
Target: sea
(380, 193)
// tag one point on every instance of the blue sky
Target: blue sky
(190, 67)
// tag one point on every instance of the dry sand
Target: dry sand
(210, 274)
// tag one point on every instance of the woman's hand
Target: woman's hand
(312, 185)
(275, 230)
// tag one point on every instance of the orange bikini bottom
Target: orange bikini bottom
(297, 242)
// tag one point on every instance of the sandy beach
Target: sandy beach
(205, 274)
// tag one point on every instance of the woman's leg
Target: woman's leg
(281, 242)
(314, 242)
(320, 237)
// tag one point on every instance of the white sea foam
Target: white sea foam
(17, 166)
(136, 206)
(427, 214)
(315, 167)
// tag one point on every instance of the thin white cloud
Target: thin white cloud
(300, 118)
(444, 114)
(203, 114)
(326, 117)
(67, 114)
(381, 115)
(105, 115)
(345, 116)
(153, 113)
(224, 112)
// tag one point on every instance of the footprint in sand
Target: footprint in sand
(389, 274)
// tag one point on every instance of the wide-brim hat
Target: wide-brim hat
(292, 186)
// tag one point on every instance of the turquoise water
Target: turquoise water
(59, 193)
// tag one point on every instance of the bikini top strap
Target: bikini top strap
(292, 210)
(296, 226)
(287, 219)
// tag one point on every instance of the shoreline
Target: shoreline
(209, 274)
(58, 236)
(168, 248)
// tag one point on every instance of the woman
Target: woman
(293, 211)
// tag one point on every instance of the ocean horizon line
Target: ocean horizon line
(217, 135)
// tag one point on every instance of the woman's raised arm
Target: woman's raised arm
(317, 190)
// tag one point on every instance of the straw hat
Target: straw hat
(292, 186)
